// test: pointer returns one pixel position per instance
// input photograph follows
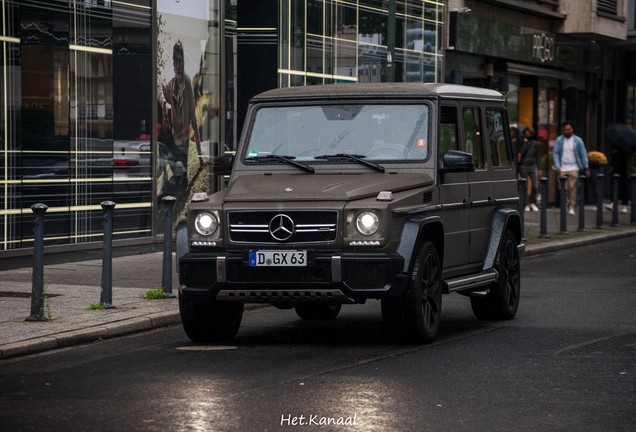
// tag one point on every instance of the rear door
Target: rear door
(504, 179)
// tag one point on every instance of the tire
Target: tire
(415, 317)
(318, 312)
(206, 320)
(502, 302)
(391, 310)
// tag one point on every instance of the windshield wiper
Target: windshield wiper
(351, 157)
(287, 159)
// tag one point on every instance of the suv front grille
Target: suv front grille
(309, 226)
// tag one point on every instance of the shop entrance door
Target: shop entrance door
(548, 130)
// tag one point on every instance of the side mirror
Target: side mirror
(222, 165)
(456, 161)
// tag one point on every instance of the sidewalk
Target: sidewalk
(73, 287)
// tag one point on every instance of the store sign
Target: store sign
(496, 39)
(542, 48)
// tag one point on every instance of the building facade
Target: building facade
(280, 43)
(127, 100)
(553, 59)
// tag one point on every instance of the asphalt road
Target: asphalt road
(566, 362)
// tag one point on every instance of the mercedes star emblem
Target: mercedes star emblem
(281, 227)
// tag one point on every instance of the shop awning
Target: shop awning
(522, 69)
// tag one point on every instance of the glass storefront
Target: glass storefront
(88, 115)
(76, 120)
(631, 105)
(359, 41)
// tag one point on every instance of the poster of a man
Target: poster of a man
(176, 98)
(187, 100)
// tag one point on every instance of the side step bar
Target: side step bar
(472, 281)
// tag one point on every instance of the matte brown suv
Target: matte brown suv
(343, 193)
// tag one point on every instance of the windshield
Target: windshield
(372, 132)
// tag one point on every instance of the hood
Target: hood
(286, 187)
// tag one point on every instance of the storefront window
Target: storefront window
(512, 101)
(76, 119)
(547, 125)
(346, 42)
(631, 104)
(46, 138)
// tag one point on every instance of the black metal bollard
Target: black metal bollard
(544, 208)
(564, 216)
(632, 218)
(106, 298)
(615, 179)
(599, 200)
(37, 290)
(166, 278)
(582, 203)
(523, 192)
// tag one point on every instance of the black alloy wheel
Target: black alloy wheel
(502, 302)
(423, 302)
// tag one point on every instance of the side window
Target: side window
(447, 131)
(498, 150)
(472, 130)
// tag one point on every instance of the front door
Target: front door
(453, 192)
(479, 182)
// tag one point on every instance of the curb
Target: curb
(96, 333)
(90, 334)
(572, 243)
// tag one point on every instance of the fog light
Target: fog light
(364, 243)
(203, 243)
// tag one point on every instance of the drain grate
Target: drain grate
(206, 348)
(15, 294)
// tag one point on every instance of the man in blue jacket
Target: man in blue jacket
(570, 157)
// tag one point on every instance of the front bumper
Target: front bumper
(341, 277)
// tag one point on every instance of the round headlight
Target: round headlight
(206, 223)
(367, 223)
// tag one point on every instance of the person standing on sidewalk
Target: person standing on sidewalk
(570, 157)
(529, 165)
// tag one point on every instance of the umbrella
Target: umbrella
(622, 136)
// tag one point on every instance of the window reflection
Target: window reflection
(472, 131)
(59, 118)
(45, 25)
(45, 136)
(348, 42)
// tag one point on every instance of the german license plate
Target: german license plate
(278, 258)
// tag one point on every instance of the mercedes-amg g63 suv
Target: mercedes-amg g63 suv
(340, 194)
